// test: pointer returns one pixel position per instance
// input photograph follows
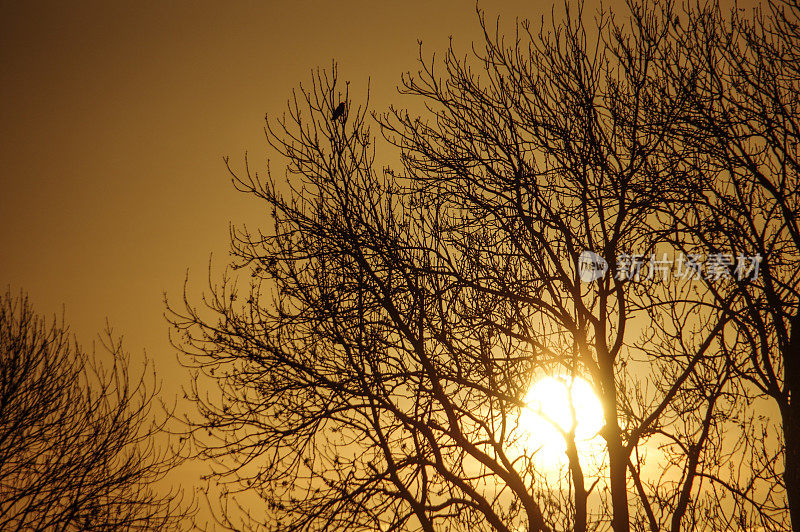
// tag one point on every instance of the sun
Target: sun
(548, 415)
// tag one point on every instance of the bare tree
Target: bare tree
(739, 141)
(78, 441)
(373, 365)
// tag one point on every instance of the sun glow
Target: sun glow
(548, 417)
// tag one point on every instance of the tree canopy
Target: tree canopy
(374, 350)
(81, 445)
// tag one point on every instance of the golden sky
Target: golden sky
(115, 116)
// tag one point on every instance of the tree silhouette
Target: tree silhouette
(373, 365)
(739, 141)
(77, 442)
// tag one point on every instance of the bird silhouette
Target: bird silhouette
(338, 112)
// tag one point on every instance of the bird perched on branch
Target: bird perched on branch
(337, 112)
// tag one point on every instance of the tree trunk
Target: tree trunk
(618, 478)
(790, 412)
(791, 474)
(617, 455)
(578, 483)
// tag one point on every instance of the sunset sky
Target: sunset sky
(115, 117)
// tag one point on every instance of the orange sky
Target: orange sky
(115, 116)
(114, 119)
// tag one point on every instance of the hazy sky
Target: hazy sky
(115, 117)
